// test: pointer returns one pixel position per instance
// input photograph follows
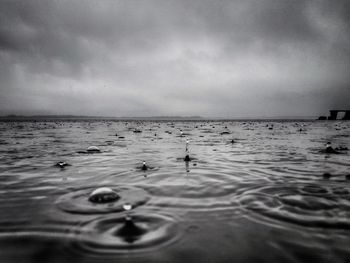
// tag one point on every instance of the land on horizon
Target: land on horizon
(58, 116)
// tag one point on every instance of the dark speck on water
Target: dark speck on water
(61, 164)
(269, 196)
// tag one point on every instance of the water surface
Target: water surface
(270, 196)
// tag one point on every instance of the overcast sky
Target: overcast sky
(247, 58)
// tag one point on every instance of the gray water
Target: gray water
(271, 196)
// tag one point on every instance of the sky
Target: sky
(218, 58)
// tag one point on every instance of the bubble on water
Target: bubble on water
(93, 149)
(103, 195)
(105, 200)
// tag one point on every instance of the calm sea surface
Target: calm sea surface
(271, 196)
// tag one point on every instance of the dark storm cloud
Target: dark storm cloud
(212, 58)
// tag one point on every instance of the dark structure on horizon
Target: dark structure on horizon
(334, 114)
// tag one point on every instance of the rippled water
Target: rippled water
(270, 196)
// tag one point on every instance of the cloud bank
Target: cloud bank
(254, 58)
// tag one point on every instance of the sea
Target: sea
(252, 191)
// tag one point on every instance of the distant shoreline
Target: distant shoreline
(151, 118)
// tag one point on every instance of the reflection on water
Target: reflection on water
(251, 192)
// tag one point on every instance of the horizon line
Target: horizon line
(153, 117)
